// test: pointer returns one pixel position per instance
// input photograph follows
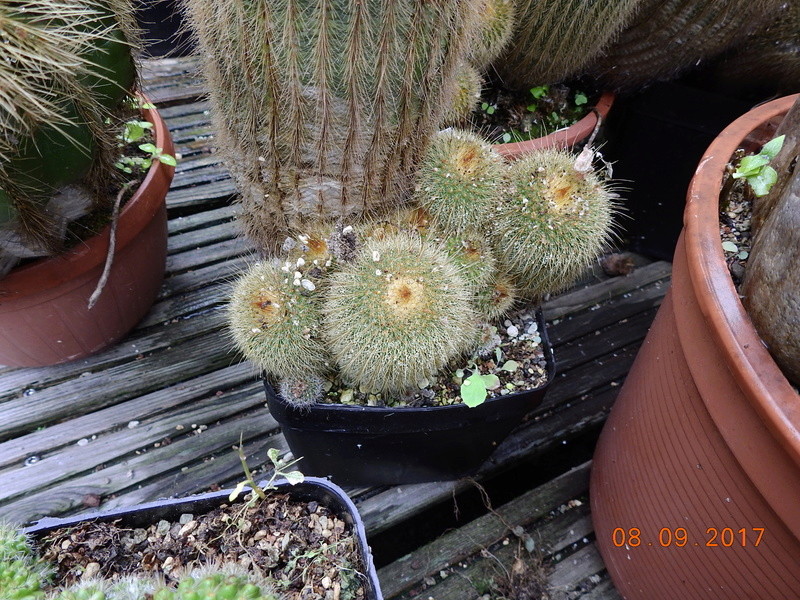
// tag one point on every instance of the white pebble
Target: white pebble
(309, 285)
(512, 331)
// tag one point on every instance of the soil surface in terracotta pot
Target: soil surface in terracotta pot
(301, 545)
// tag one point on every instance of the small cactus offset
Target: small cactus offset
(22, 575)
(667, 38)
(459, 180)
(65, 68)
(324, 108)
(552, 222)
(397, 314)
(215, 587)
(556, 40)
(468, 92)
(496, 21)
(497, 297)
(302, 391)
(275, 321)
(471, 253)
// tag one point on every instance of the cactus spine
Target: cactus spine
(552, 222)
(275, 321)
(667, 38)
(459, 180)
(397, 314)
(557, 40)
(22, 575)
(468, 91)
(324, 107)
(496, 22)
(64, 68)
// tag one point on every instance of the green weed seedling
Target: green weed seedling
(280, 469)
(755, 169)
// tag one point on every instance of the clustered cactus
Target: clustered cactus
(22, 575)
(65, 70)
(420, 285)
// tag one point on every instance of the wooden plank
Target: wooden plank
(198, 278)
(115, 384)
(203, 219)
(188, 305)
(39, 443)
(99, 446)
(137, 469)
(586, 298)
(199, 238)
(211, 253)
(483, 532)
(193, 197)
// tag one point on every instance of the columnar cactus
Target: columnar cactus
(397, 314)
(459, 180)
(275, 321)
(553, 220)
(667, 38)
(324, 108)
(65, 67)
(555, 40)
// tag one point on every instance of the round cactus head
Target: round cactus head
(553, 220)
(214, 587)
(471, 252)
(275, 321)
(302, 391)
(397, 314)
(496, 25)
(468, 92)
(459, 180)
(497, 297)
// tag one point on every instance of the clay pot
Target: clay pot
(564, 138)
(695, 487)
(44, 318)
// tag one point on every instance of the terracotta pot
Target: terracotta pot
(44, 318)
(564, 138)
(703, 442)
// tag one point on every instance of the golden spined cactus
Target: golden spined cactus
(324, 107)
(469, 84)
(471, 253)
(553, 41)
(497, 298)
(274, 317)
(397, 314)
(552, 222)
(496, 21)
(459, 180)
(667, 38)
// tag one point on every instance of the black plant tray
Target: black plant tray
(325, 492)
(364, 445)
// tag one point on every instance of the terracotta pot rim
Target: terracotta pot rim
(748, 360)
(91, 253)
(563, 138)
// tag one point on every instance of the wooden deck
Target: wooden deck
(159, 413)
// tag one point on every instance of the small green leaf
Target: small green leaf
(484, 105)
(274, 455)
(532, 107)
(168, 160)
(148, 148)
(510, 366)
(730, 247)
(491, 381)
(743, 254)
(539, 91)
(506, 137)
(580, 98)
(763, 182)
(750, 166)
(294, 477)
(490, 110)
(146, 163)
(772, 147)
(147, 105)
(473, 390)
(236, 491)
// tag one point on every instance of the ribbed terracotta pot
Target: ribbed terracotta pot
(695, 487)
(564, 138)
(44, 316)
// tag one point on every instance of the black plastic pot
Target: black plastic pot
(365, 445)
(141, 515)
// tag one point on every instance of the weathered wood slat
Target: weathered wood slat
(483, 532)
(199, 278)
(137, 469)
(209, 254)
(202, 219)
(47, 440)
(115, 384)
(193, 197)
